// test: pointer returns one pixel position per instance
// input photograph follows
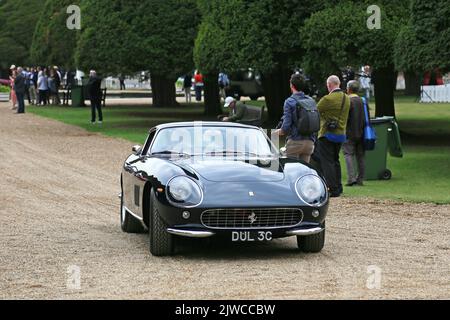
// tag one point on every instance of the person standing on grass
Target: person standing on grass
(354, 146)
(57, 77)
(122, 82)
(12, 78)
(199, 84)
(365, 81)
(298, 146)
(20, 89)
(31, 87)
(187, 86)
(52, 87)
(224, 83)
(334, 110)
(42, 87)
(95, 93)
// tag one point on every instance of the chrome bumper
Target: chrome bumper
(305, 232)
(190, 233)
(207, 234)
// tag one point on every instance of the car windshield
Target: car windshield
(211, 141)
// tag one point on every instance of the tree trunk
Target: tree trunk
(163, 91)
(385, 80)
(212, 97)
(413, 83)
(276, 91)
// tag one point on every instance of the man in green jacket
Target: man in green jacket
(238, 110)
(334, 111)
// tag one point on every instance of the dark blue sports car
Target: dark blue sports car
(205, 179)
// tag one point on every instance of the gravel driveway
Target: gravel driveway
(59, 217)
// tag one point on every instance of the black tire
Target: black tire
(311, 244)
(254, 98)
(161, 242)
(128, 222)
(386, 175)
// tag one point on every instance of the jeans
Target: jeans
(198, 93)
(96, 105)
(188, 94)
(327, 157)
(21, 102)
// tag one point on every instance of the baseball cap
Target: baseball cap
(228, 101)
(12, 67)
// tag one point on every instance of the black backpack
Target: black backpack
(308, 117)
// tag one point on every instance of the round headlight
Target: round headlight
(312, 190)
(184, 191)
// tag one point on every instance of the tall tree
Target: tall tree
(17, 20)
(431, 26)
(128, 36)
(53, 42)
(338, 36)
(407, 57)
(262, 34)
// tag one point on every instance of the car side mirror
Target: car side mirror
(136, 149)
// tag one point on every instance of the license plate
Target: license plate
(251, 236)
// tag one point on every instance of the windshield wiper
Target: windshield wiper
(171, 153)
(225, 152)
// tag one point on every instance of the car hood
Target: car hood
(234, 170)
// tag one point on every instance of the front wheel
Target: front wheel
(161, 242)
(313, 243)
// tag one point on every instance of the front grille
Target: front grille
(251, 218)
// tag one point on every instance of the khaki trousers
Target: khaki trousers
(300, 150)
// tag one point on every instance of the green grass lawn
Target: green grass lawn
(423, 175)
(128, 122)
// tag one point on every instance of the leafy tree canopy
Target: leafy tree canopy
(53, 42)
(17, 20)
(128, 36)
(430, 22)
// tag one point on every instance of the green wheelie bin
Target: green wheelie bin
(388, 139)
(77, 94)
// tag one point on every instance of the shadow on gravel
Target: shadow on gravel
(223, 249)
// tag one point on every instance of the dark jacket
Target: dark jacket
(356, 119)
(289, 125)
(94, 85)
(187, 82)
(19, 84)
(239, 112)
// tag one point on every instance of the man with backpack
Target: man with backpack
(301, 121)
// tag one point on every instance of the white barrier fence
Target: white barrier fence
(435, 94)
(114, 84)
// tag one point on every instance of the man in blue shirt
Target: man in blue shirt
(298, 147)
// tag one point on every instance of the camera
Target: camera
(332, 125)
